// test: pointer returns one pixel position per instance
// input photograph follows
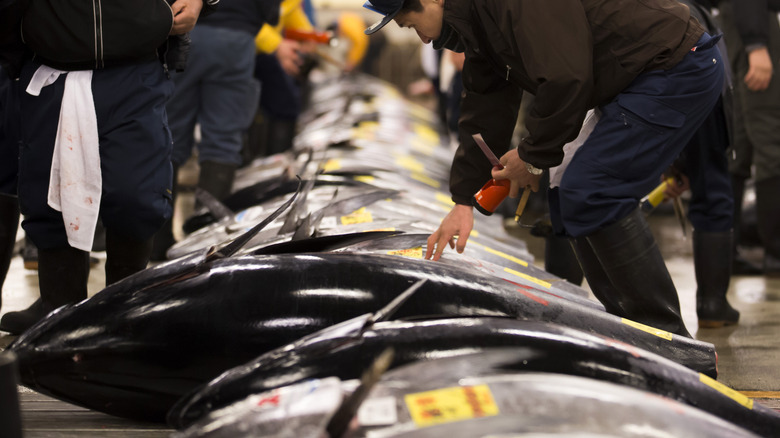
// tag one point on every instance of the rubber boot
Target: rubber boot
(712, 263)
(30, 254)
(9, 223)
(560, 259)
(768, 212)
(125, 256)
(739, 265)
(598, 281)
(256, 136)
(279, 135)
(164, 238)
(217, 178)
(62, 278)
(644, 290)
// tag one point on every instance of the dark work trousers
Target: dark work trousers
(711, 208)
(281, 95)
(640, 133)
(216, 90)
(758, 132)
(135, 152)
(9, 135)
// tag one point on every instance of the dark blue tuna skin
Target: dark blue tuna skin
(139, 345)
(536, 346)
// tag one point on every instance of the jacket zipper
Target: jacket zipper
(508, 67)
(97, 12)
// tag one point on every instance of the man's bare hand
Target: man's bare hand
(185, 15)
(458, 222)
(676, 187)
(515, 171)
(288, 54)
(760, 70)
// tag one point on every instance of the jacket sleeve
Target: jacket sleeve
(12, 48)
(489, 106)
(751, 19)
(554, 40)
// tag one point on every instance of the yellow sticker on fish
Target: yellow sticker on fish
(425, 179)
(444, 199)
(725, 390)
(448, 405)
(646, 328)
(359, 216)
(368, 179)
(415, 253)
(410, 163)
(331, 165)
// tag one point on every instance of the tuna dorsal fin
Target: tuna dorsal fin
(240, 241)
(291, 222)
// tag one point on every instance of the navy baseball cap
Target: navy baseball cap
(388, 8)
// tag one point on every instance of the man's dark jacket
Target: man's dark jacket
(573, 55)
(84, 34)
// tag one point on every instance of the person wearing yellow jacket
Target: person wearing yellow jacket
(277, 66)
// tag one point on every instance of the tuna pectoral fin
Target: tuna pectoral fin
(389, 310)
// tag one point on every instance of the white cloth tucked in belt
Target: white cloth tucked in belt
(75, 184)
(556, 173)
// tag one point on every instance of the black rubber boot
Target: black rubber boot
(62, 277)
(598, 281)
(217, 178)
(164, 238)
(9, 223)
(30, 254)
(279, 135)
(768, 212)
(560, 260)
(644, 290)
(125, 256)
(739, 265)
(712, 263)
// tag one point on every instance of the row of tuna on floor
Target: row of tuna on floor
(302, 306)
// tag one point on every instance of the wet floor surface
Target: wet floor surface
(748, 353)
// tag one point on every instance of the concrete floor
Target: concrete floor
(748, 353)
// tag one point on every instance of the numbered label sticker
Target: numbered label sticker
(451, 404)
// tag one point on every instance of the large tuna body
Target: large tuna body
(134, 348)
(346, 351)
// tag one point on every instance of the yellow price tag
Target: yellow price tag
(444, 199)
(529, 278)
(425, 179)
(725, 390)
(415, 253)
(411, 164)
(427, 133)
(451, 404)
(646, 328)
(359, 216)
(368, 179)
(331, 165)
(504, 255)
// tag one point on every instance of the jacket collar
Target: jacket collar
(458, 14)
